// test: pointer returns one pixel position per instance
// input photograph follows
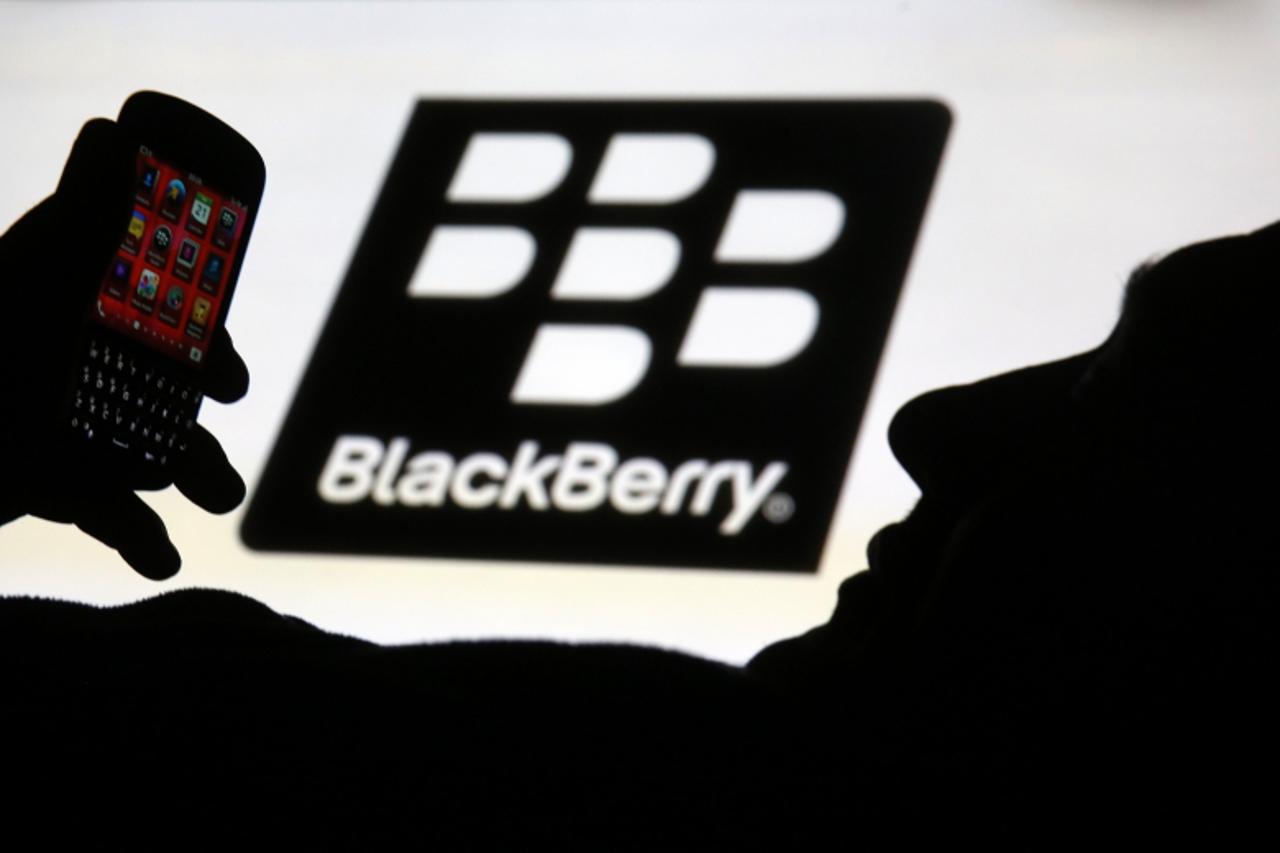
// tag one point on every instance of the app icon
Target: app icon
(174, 195)
(188, 251)
(147, 185)
(171, 311)
(211, 277)
(161, 242)
(226, 230)
(118, 278)
(148, 282)
(201, 210)
(133, 238)
(173, 298)
(200, 310)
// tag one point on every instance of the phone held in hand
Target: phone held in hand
(165, 292)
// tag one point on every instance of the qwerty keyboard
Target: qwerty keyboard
(132, 403)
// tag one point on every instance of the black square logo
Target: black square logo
(631, 333)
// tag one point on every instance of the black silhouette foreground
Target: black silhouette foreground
(1073, 634)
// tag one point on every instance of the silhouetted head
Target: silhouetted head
(1085, 597)
(1124, 491)
(1087, 592)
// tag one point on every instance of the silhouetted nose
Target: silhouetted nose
(956, 441)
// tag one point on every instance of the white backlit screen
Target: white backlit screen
(1088, 136)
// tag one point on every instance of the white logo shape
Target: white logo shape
(514, 168)
(591, 364)
(473, 261)
(611, 264)
(748, 327)
(652, 168)
(780, 226)
(582, 365)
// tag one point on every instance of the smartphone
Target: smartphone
(165, 293)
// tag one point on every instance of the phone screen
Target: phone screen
(167, 285)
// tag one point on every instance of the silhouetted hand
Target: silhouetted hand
(51, 263)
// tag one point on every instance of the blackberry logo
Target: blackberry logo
(628, 333)
(596, 364)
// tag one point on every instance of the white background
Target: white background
(1089, 135)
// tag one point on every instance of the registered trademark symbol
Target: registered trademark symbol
(779, 507)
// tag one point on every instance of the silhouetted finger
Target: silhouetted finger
(121, 520)
(227, 376)
(100, 166)
(94, 199)
(28, 230)
(204, 475)
(147, 478)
